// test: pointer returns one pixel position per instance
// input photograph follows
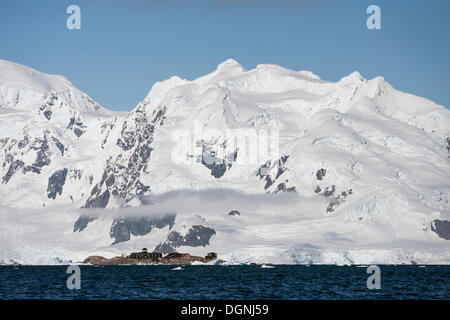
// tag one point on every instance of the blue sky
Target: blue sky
(124, 47)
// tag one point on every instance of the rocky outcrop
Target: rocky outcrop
(271, 171)
(59, 145)
(337, 200)
(98, 199)
(234, 213)
(13, 168)
(185, 260)
(76, 125)
(56, 183)
(46, 108)
(321, 173)
(282, 188)
(329, 191)
(120, 179)
(210, 159)
(197, 235)
(122, 228)
(41, 146)
(441, 228)
(82, 223)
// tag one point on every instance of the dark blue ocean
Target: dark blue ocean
(224, 282)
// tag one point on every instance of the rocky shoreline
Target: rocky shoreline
(102, 261)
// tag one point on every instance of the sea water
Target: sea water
(225, 282)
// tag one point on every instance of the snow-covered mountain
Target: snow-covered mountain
(262, 165)
(51, 134)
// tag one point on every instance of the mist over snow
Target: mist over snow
(266, 165)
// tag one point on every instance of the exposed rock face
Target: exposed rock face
(76, 125)
(282, 188)
(448, 145)
(210, 160)
(270, 172)
(121, 177)
(102, 261)
(106, 129)
(337, 200)
(234, 213)
(13, 168)
(41, 146)
(98, 199)
(441, 228)
(329, 191)
(197, 235)
(82, 223)
(96, 260)
(44, 123)
(46, 108)
(56, 183)
(59, 145)
(320, 174)
(122, 228)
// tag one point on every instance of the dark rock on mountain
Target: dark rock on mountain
(282, 188)
(281, 167)
(266, 171)
(269, 182)
(329, 191)
(59, 145)
(164, 248)
(82, 223)
(448, 145)
(197, 236)
(78, 132)
(110, 180)
(3, 142)
(210, 160)
(106, 128)
(120, 178)
(46, 108)
(13, 168)
(321, 173)
(98, 199)
(122, 228)
(23, 143)
(441, 228)
(48, 114)
(76, 125)
(263, 171)
(234, 213)
(337, 200)
(43, 154)
(334, 203)
(56, 183)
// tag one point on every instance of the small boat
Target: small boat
(267, 267)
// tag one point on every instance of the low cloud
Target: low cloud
(203, 202)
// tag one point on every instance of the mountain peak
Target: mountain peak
(22, 77)
(230, 64)
(22, 87)
(355, 76)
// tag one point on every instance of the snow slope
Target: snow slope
(352, 171)
(24, 88)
